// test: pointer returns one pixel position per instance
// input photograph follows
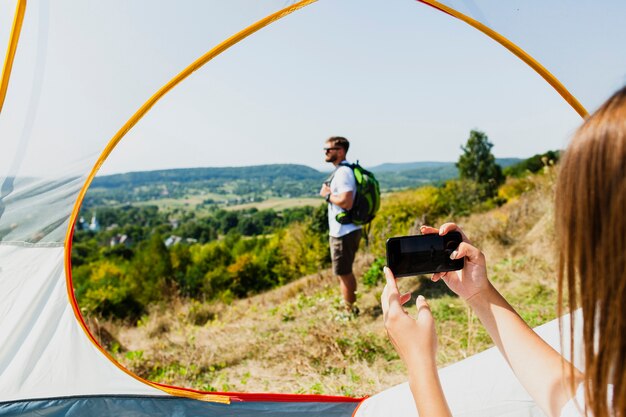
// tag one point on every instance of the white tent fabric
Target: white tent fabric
(43, 351)
(46, 154)
(482, 385)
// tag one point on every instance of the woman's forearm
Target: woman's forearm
(426, 389)
(540, 368)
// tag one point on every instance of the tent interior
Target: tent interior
(95, 88)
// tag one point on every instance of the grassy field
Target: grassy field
(195, 203)
(297, 339)
(279, 204)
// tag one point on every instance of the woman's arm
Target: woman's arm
(415, 340)
(542, 370)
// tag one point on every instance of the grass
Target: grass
(278, 204)
(297, 338)
(195, 203)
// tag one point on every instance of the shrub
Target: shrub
(374, 274)
(104, 291)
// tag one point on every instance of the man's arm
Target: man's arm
(343, 200)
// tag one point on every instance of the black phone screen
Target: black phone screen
(423, 254)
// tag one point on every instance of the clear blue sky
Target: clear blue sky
(401, 80)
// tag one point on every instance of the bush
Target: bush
(105, 292)
(459, 198)
(514, 187)
(402, 213)
(374, 274)
(533, 164)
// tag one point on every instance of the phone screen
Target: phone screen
(423, 254)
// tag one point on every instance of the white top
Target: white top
(575, 406)
(342, 182)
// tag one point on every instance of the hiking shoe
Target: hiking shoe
(354, 310)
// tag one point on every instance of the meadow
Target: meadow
(296, 338)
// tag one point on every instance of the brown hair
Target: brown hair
(339, 141)
(591, 228)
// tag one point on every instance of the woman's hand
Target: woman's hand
(472, 279)
(414, 339)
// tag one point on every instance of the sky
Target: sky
(401, 80)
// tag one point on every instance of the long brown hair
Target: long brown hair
(590, 217)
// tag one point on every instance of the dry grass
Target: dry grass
(297, 339)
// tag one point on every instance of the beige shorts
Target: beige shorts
(342, 251)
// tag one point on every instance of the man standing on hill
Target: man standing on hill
(339, 191)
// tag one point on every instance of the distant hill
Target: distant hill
(398, 175)
(228, 185)
(189, 175)
(426, 165)
(406, 166)
(506, 162)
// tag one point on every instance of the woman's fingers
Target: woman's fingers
(466, 250)
(449, 227)
(391, 296)
(438, 275)
(421, 304)
(427, 230)
(391, 280)
(404, 298)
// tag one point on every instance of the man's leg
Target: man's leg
(348, 288)
(347, 280)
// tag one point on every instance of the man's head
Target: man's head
(336, 149)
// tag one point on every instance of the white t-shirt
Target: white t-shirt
(342, 182)
(573, 407)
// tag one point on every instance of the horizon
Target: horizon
(298, 164)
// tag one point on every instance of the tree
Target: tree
(150, 271)
(478, 164)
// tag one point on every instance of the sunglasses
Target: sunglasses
(331, 149)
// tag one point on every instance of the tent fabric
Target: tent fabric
(48, 364)
(114, 406)
(43, 351)
(482, 385)
(567, 39)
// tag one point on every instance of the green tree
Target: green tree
(150, 271)
(478, 164)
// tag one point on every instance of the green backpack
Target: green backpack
(366, 200)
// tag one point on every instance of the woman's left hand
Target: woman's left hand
(415, 339)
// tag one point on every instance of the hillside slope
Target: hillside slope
(296, 339)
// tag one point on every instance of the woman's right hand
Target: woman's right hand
(472, 279)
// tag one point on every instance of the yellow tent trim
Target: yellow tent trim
(223, 46)
(217, 50)
(517, 51)
(10, 56)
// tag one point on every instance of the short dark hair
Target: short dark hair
(339, 141)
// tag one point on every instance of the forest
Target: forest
(138, 256)
(232, 185)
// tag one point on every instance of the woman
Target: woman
(591, 231)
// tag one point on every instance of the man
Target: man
(344, 239)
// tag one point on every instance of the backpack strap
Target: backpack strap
(342, 163)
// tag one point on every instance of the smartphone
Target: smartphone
(423, 254)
